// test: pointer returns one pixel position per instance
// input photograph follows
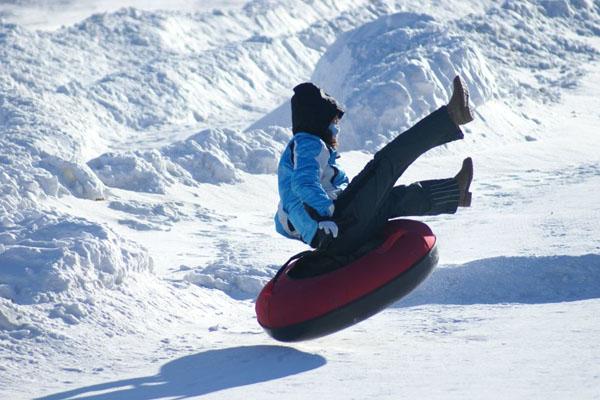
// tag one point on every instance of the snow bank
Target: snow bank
(87, 106)
(133, 70)
(110, 103)
(70, 95)
(13, 325)
(210, 156)
(46, 255)
(73, 94)
(54, 266)
(394, 71)
(391, 72)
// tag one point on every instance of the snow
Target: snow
(138, 155)
(48, 15)
(392, 71)
(211, 156)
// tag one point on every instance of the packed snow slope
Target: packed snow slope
(138, 152)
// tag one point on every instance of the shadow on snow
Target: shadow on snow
(203, 373)
(527, 280)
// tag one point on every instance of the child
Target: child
(320, 207)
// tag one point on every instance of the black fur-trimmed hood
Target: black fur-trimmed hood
(313, 110)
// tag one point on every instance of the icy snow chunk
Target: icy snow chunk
(78, 179)
(22, 178)
(203, 157)
(50, 184)
(15, 323)
(138, 171)
(70, 313)
(8, 320)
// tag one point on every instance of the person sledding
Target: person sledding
(319, 205)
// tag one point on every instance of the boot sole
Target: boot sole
(461, 89)
(468, 164)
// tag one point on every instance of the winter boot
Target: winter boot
(464, 178)
(458, 106)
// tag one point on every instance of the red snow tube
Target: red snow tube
(293, 309)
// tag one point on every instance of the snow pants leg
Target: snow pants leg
(433, 197)
(371, 198)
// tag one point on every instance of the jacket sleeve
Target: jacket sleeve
(306, 178)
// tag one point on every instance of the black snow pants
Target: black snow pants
(371, 198)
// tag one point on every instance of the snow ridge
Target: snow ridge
(392, 71)
(210, 156)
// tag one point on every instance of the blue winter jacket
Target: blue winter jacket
(308, 174)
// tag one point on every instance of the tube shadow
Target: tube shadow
(527, 280)
(203, 373)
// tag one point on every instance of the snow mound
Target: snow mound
(395, 70)
(45, 253)
(214, 154)
(139, 171)
(210, 156)
(50, 256)
(131, 71)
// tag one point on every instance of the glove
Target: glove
(329, 228)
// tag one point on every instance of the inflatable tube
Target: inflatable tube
(293, 309)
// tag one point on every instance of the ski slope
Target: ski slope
(138, 155)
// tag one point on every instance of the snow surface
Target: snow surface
(138, 149)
